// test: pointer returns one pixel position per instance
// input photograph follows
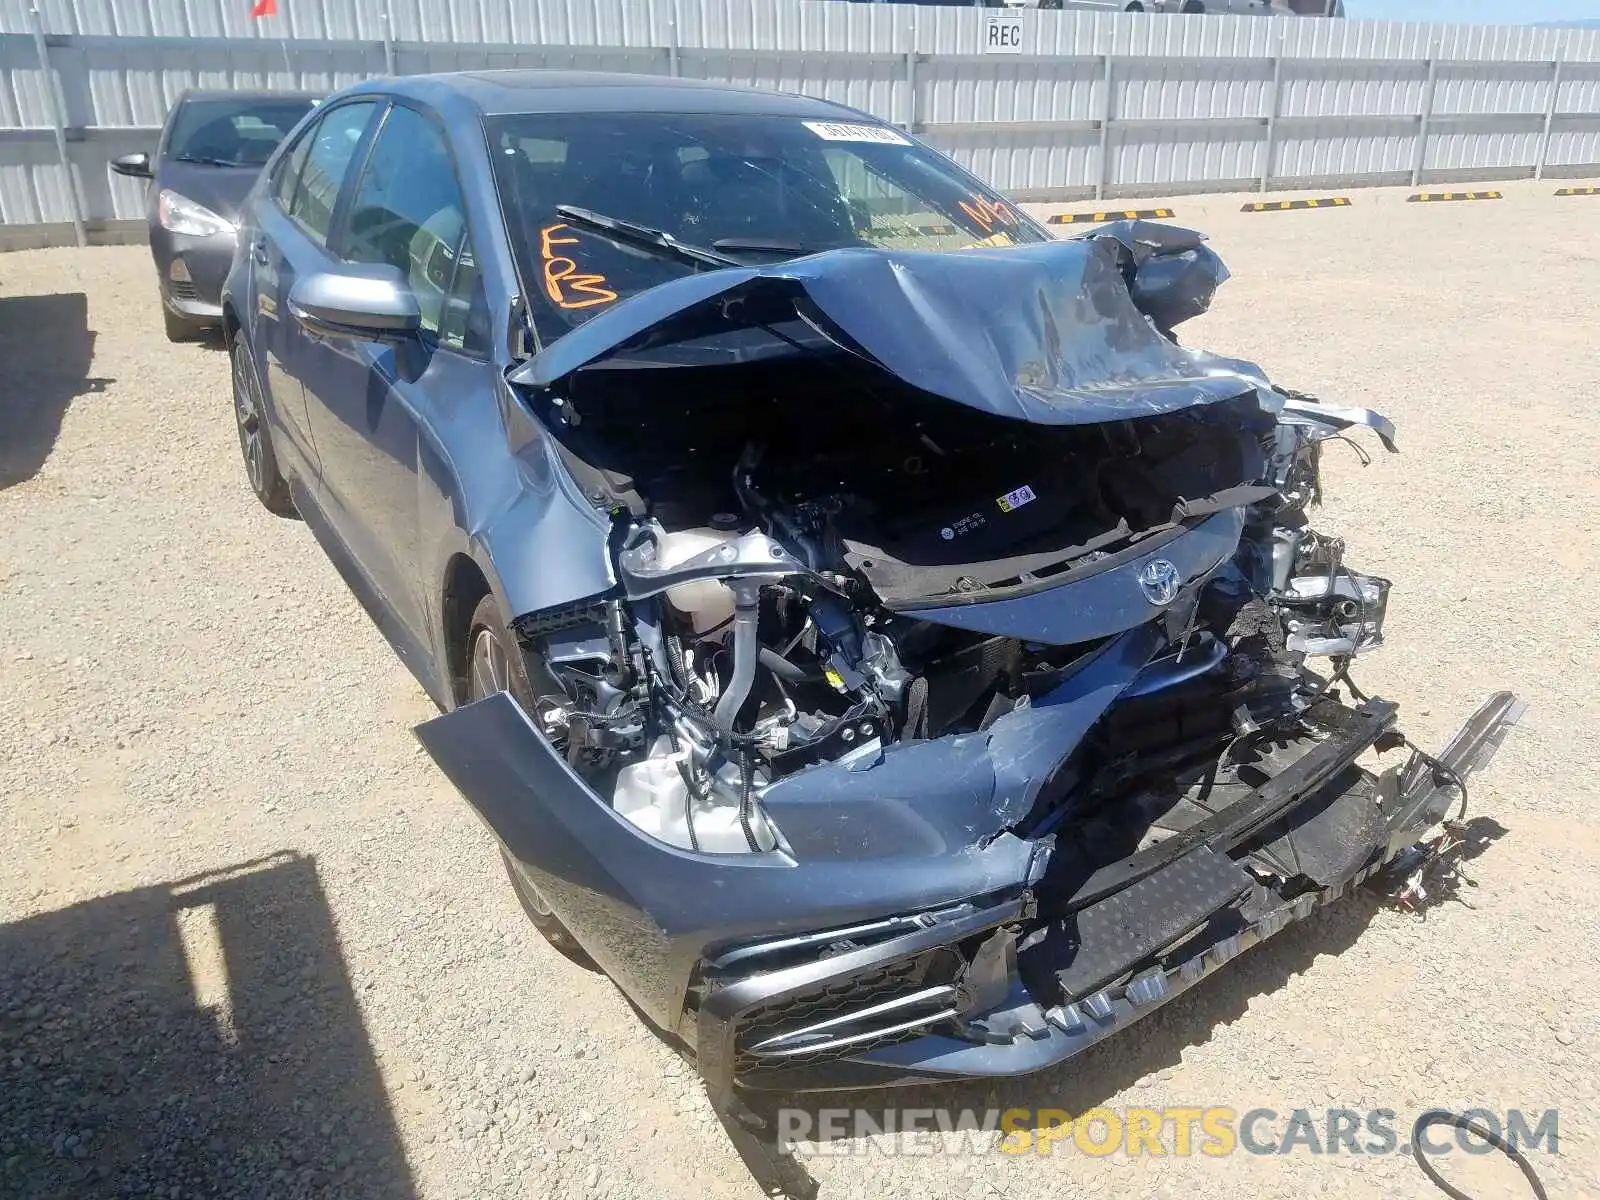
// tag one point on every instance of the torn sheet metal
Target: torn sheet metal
(1328, 420)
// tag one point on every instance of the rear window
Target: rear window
(233, 133)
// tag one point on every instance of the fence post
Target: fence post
(1105, 120)
(911, 77)
(1272, 114)
(387, 16)
(58, 124)
(1427, 115)
(674, 66)
(1549, 115)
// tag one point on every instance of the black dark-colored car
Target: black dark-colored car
(210, 151)
(873, 639)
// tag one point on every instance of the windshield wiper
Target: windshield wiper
(644, 237)
(206, 160)
(745, 245)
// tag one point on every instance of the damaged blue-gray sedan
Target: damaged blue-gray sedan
(874, 640)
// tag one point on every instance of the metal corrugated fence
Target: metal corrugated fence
(1090, 104)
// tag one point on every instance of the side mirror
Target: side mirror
(135, 166)
(371, 302)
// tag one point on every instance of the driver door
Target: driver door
(372, 405)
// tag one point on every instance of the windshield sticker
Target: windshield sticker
(565, 286)
(1012, 501)
(834, 131)
(989, 213)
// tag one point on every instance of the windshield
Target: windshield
(233, 132)
(751, 188)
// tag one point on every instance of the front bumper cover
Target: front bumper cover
(192, 270)
(1122, 967)
(915, 976)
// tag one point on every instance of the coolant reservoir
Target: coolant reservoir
(652, 795)
(707, 603)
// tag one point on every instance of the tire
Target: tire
(255, 435)
(180, 329)
(494, 664)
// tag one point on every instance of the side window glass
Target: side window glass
(465, 323)
(407, 211)
(289, 167)
(331, 146)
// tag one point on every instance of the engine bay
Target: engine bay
(772, 567)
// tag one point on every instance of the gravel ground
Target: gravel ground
(251, 943)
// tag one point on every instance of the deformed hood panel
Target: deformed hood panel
(1056, 333)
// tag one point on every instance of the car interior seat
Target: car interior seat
(218, 139)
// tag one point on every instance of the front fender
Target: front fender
(548, 544)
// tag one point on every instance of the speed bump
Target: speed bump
(1579, 191)
(1286, 205)
(1126, 214)
(1416, 197)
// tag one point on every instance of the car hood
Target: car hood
(1055, 333)
(221, 189)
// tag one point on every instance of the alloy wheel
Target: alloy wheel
(490, 671)
(247, 413)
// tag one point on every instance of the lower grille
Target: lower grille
(892, 1003)
(182, 289)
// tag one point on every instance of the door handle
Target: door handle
(258, 251)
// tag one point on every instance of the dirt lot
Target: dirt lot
(251, 943)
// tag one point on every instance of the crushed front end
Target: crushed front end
(956, 703)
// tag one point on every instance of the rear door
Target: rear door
(290, 240)
(374, 407)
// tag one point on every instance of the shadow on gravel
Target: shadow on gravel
(45, 349)
(194, 1039)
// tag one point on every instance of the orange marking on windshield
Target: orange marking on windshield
(566, 286)
(988, 213)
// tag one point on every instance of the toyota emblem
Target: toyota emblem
(1159, 581)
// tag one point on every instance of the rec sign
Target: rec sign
(1002, 33)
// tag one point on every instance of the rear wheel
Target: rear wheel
(494, 664)
(255, 439)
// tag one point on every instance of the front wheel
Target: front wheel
(494, 664)
(255, 439)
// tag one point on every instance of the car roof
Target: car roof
(244, 94)
(498, 93)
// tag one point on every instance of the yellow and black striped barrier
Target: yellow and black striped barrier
(1418, 197)
(1288, 205)
(1126, 214)
(1578, 191)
